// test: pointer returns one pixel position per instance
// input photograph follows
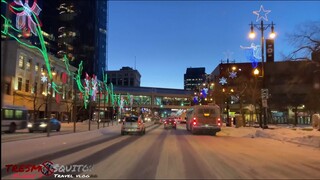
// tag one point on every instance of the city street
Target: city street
(167, 154)
(66, 128)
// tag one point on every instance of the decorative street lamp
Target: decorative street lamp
(262, 15)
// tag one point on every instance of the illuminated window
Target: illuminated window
(28, 65)
(36, 67)
(21, 62)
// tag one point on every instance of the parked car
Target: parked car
(170, 123)
(132, 124)
(42, 125)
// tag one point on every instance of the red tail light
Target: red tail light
(219, 122)
(194, 121)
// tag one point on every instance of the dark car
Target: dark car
(42, 125)
(170, 123)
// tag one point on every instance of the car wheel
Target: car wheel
(58, 129)
(213, 133)
(30, 131)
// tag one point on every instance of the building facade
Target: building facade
(78, 30)
(293, 90)
(24, 83)
(126, 76)
(194, 77)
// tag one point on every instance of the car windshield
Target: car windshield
(131, 119)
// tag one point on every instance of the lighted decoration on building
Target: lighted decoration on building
(233, 74)
(204, 92)
(261, 14)
(94, 85)
(44, 79)
(58, 98)
(195, 99)
(253, 54)
(223, 81)
(25, 15)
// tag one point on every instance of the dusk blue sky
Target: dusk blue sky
(167, 37)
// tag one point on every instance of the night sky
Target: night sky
(163, 38)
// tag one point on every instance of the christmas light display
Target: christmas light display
(25, 15)
(261, 14)
(223, 81)
(27, 21)
(233, 74)
(204, 92)
(44, 79)
(253, 54)
(27, 18)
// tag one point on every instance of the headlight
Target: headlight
(43, 125)
(29, 125)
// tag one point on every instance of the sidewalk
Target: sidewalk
(302, 134)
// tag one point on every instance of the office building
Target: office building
(194, 77)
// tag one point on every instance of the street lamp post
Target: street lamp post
(262, 27)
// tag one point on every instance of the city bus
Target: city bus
(13, 118)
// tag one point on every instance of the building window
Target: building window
(36, 67)
(35, 89)
(19, 83)
(27, 85)
(42, 69)
(42, 88)
(28, 65)
(7, 88)
(21, 62)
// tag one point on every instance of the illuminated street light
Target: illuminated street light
(262, 27)
(256, 72)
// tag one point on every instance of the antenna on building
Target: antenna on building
(135, 63)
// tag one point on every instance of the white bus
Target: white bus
(13, 118)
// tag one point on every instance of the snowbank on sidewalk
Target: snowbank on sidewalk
(303, 135)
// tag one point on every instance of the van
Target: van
(203, 119)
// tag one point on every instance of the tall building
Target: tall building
(194, 77)
(126, 76)
(79, 28)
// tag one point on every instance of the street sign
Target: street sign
(264, 93)
(264, 103)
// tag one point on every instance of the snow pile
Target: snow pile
(302, 135)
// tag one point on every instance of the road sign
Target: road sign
(264, 93)
(264, 103)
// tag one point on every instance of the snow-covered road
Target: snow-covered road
(234, 153)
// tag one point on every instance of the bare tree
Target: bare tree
(305, 40)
